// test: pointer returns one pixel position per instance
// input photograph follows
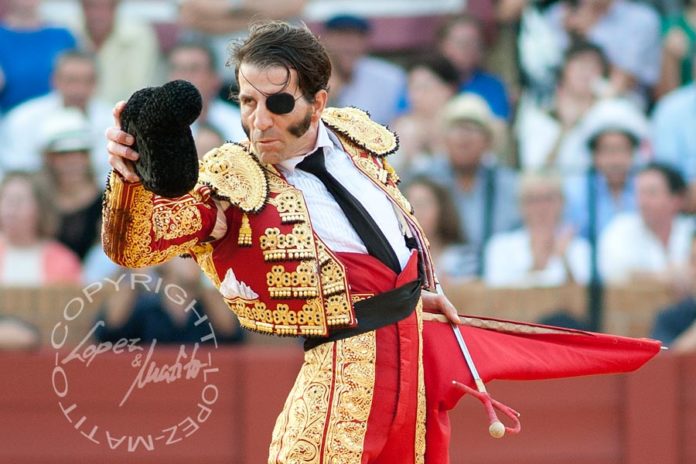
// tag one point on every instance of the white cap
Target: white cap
(65, 130)
(615, 115)
(469, 107)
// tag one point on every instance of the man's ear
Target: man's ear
(320, 99)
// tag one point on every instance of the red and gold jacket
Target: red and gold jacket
(273, 270)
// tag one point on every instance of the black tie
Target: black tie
(369, 232)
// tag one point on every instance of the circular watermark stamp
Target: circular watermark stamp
(143, 364)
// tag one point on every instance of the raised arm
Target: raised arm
(140, 228)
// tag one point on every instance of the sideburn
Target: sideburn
(299, 129)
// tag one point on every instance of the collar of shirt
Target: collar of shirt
(324, 140)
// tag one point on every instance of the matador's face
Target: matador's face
(277, 137)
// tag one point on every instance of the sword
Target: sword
(496, 428)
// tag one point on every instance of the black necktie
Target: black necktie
(369, 232)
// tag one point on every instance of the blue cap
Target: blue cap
(347, 22)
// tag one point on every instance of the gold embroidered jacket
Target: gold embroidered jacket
(273, 270)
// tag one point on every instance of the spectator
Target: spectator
(461, 41)
(74, 82)
(222, 20)
(166, 316)
(614, 132)
(675, 326)
(553, 139)
(28, 49)
(485, 193)
(432, 82)
(28, 254)
(652, 244)
(195, 62)
(454, 260)
(357, 79)
(673, 134)
(67, 142)
(16, 334)
(678, 48)
(127, 51)
(628, 32)
(207, 137)
(543, 253)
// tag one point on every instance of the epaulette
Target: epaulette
(356, 125)
(235, 174)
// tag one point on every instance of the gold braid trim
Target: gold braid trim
(420, 412)
(356, 125)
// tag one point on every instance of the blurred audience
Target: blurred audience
(678, 48)
(16, 334)
(28, 49)
(357, 79)
(653, 243)
(28, 254)
(434, 208)
(167, 315)
(675, 326)
(461, 40)
(206, 138)
(194, 61)
(484, 192)
(673, 134)
(67, 143)
(552, 138)
(544, 252)
(614, 134)
(627, 31)
(74, 82)
(126, 50)
(432, 82)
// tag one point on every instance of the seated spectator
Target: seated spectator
(166, 316)
(28, 50)
(461, 40)
(628, 32)
(127, 51)
(615, 135)
(675, 326)
(652, 244)
(16, 334)
(28, 254)
(432, 82)
(357, 79)
(484, 192)
(543, 253)
(74, 82)
(678, 47)
(674, 140)
(437, 215)
(195, 62)
(206, 138)
(552, 139)
(67, 143)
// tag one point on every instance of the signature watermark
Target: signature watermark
(188, 365)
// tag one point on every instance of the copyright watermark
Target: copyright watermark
(71, 381)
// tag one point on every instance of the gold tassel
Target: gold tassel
(244, 238)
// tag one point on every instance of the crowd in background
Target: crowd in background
(551, 143)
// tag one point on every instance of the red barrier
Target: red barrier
(644, 418)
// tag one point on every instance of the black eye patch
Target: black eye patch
(280, 103)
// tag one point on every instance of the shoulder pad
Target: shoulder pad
(356, 125)
(234, 174)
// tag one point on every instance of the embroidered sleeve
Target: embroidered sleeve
(141, 229)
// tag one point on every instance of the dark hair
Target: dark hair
(47, 212)
(277, 43)
(581, 47)
(196, 44)
(465, 18)
(440, 66)
(448, 226)
(74, 54)
(675, 181)
(594, 140)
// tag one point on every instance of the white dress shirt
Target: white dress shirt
(328, 219)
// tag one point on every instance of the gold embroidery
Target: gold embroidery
(392, 172)
(175, 218)
(255, 315)
(294, 245)
(301, 283)
(332, 278)
(368, 166)
(356, 125)
(236, 175)
(420, 412)
(331, 398)
(290, 206)
(203, 253)
(337, 309)
(244, 237)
